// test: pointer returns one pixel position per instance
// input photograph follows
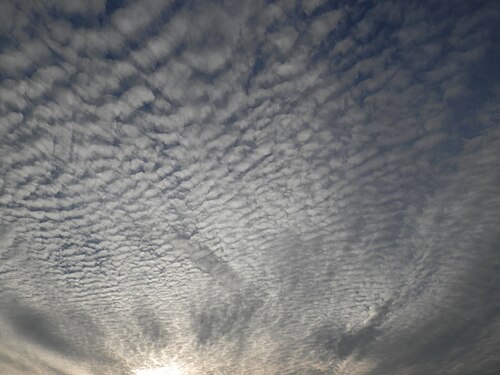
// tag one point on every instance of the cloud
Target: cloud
(295, 187)
(35, 327)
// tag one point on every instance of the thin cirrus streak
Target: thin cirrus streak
(249, 187)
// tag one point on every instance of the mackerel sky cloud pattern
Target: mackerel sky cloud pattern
(249, 187)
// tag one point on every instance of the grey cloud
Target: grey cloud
(152, 326)
(80, 7)
(228, 320)
(466, 319)
(36, 327)
(364, 336)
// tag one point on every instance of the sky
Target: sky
(249, 187)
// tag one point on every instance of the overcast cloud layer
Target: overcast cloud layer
(249, 187)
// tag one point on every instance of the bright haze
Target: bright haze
(249, 187)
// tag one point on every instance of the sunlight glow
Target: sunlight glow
(166, 370)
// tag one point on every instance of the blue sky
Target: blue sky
(249, 187)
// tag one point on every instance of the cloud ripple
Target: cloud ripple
(249, 187)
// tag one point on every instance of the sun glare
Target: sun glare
(166, 370)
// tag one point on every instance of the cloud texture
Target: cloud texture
(249, 187)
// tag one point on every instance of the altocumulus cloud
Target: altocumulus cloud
(249, 187)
